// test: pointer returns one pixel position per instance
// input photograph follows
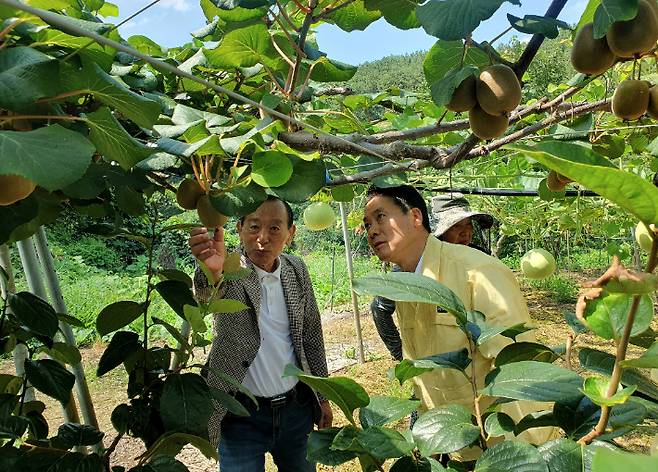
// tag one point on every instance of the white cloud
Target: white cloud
(178, 5)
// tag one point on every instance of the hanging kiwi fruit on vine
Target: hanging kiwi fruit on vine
(636, 36)
(463, 98)
(14, 188)
(194, 194)
(589, 55)
(631, 99)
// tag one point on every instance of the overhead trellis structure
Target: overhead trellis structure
(505, 192)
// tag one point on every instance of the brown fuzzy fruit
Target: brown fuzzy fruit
(188, 194)
(589, 55)
(653, 102)
(498, 90)
(486, 126)
(635, 36)
(210, 218)
(631, 99)
(556, 182)
(14, 188)
(463, 98)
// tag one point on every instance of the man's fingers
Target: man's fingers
(219, 234)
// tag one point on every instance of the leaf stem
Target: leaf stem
(303, 31)
(4, 119)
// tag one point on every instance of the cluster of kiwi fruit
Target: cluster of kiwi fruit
(624, 40)
(14, 188)
(192, 196)
(488, 99)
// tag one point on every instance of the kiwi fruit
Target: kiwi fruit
(589, 55)
(210, 218)
(463, 98)
(636, 36)
(188, 193)
(631, 99)
(556, 182)
(498, 90)
(14, 188)
(653, 102)
(486, 126)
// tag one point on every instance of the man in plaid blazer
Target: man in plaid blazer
(281, 326)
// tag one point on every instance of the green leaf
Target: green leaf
(530, 380)
(328, 70)
(10, 384)
(534, 24)
(344, 392)
(399, 13)
(456, 19)
(607, 315)
(587, 16)
(171, 444)
(229, 402)
(353, 16)
(240, 201)
(443, 89)
(117, 315)
(574, 323)
(92, 79)
(412, 464)
(184, 115)
(34, 314)
(175, 333)
(64, 353)
(146, 46)
(610, 11)
(408, 287)
(511, 455)
(525, 351)
(16, 215)
(596, 387)
(271, 168)
(176, 294)
(609, 461)
(185, 404)
(561, 455)
(408, 368)
(51, 378)
(234, 15)
(444, 430)
(307, 178)
(226, 305)
(319, 448)
(26, 75)
(92, 52)
(579, 163)
(122, 345)
(113, 141)
(648, 360)
(536, 420)
(194, 318)
(498, 424)
(243, 47)
(383, 410)
(603, 363)
(71, 434)
(52, 156)
(343, 193)
(382, 443)
(447, 55)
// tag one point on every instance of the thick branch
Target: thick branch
(308, 20)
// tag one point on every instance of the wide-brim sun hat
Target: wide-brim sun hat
(449, 209)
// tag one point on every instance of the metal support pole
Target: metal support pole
(20, 351)
(33, 276)
(350, 273)
(82, 389)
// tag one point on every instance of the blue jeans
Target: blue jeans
(282, 431)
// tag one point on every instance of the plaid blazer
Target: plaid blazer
(236, 336)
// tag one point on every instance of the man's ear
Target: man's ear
(292, 231)
(418, 217)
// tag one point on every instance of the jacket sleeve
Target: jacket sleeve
(382, 314)
(496, 293)
(313, 339)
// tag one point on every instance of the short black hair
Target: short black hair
(404, 196)
(291, 217)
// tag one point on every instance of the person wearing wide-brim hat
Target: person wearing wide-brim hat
(455, 218)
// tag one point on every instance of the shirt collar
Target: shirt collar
(276, 274)
(419, 267)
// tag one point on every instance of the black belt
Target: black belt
(277, 401)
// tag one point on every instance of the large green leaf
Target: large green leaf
(498, 424)
(34, 314)
(443, 89)
(92, 79)
(561, 455)
(307, 178)
(185, 405)
(456, 19)
(343, 391)
(354, 16)
(243, 47)
(399, 13)
(587, 16)
(328, 70)
(596, 389)
(603, 363)
(444, 56)
(70, 435)
(122, 345)
(64, 353)
(383, 443)
(177, 294)
(146, 45)
(444, 430)
(53, 156)
(607, 315)
(610, 11)
(234, 15)
(531, 380)
(26, 75)
(511, 455)
(51, 378)
(609, 461)
(408, 287)
(117, 315)
(525, 351)
(16, 215)
(185, 115)
(533, 24)
(648, 360)
(240, 201)
(383, 410)
(270, 168)
(409, 368)
(171, 444)
(319, 448)
(113, 141)
(578, 162)
(93, 52)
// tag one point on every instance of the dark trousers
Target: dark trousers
(281, 430)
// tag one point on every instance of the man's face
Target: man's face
(459, 233)
(390, 231)
(265, 233)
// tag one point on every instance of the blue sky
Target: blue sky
(169, 23)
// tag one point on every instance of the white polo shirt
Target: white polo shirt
(264, 376)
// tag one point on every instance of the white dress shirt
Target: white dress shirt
(264, 376)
